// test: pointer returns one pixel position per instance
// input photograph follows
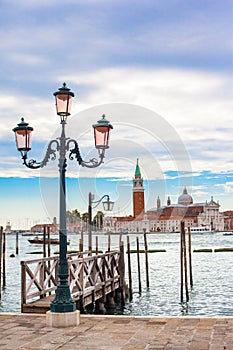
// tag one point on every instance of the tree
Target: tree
(73, 216)
(98, 219)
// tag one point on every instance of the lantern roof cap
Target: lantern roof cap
(103, 122)
(64, 90)
(23, 126)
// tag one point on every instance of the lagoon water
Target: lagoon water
(212, 294)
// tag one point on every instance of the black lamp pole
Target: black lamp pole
(63, 301)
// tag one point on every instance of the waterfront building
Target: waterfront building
(8, 228)
(165, 218)
(228, 220)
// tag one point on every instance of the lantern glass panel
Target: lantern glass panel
(23, 139)
(108, 205)
(102, 137)
(63, 103)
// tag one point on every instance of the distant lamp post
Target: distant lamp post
(63, 301)
(108, 206)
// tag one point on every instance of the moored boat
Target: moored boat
(228, 233)
(199, 229)
(38, 240)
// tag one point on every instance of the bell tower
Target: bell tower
(138, 193)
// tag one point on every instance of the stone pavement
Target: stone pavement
(29, 331)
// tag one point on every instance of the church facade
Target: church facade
(166, 218)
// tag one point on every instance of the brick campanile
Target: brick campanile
(138, 193)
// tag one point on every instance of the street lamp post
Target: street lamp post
(63, 302)
(108, 206)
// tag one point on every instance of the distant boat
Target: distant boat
(32, 234)
(230, 233)
(199, 229)
(38, 240)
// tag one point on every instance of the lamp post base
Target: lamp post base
(62, 301)
(62, 319)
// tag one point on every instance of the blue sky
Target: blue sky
(162, 71)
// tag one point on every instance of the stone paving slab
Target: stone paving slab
(29, 332)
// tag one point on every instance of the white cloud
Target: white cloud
(193, 104)
(227, 187)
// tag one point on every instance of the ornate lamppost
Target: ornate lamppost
(63, 302)
(108, 206)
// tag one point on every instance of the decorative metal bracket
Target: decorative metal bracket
(74, 153)
(50, 154)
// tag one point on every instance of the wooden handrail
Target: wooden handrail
(39, 276)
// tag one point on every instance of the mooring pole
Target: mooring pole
(96, 245)
(49, 245)
(4, 260)
(81, 242)
(1, 230)
(185, 267)
(17, 243)
(109, 243)
(146, 260)
(190, 258)
(181, 262)
(139, 272)
(80, 245)
(44, 240)
(122, 273)
(129, 271)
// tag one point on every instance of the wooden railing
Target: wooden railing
(90, 277)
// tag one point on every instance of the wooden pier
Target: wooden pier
(93, 279)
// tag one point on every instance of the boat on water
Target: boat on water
(38, 240)
(228, 233)
(199, 229)
(32, 234)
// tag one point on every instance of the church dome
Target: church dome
(185, 198)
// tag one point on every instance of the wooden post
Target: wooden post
(44, 245)
(1, 230)
(80, 245)
(190, 258)
(49, 246)
(120, 239)
(96, 245)
(122, 273)
(139, 272)
(49, 253)
(17, 243)
(185, 266)
(81, 238)
(181, 262)
(109, 243)
(146, 261)
(4, 260)
(23, 285)
(129, 271)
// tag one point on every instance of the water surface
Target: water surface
(212, 294)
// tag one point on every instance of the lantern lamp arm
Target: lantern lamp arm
(50, 155)
(94, 163)
(75, 153)
(100, 200)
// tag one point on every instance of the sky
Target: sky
(161, 71)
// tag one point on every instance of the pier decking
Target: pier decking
(92, 279)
